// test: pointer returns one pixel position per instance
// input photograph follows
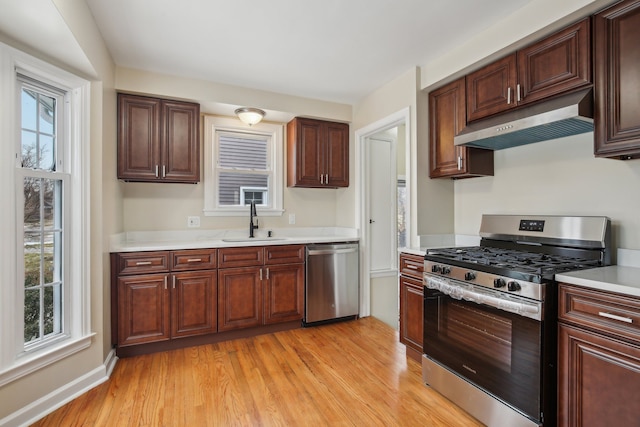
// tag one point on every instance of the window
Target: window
(44, 297)
(242, 165)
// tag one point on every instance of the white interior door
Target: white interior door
(382, 203)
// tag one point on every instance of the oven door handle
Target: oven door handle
(468, 293)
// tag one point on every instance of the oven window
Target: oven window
(480, 332)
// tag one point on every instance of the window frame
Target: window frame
(214, 124)
(15, 360)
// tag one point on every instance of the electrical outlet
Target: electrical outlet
(292, 218)
(193, 221)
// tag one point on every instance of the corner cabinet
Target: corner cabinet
(554, 65)
(447, 118)
(158, 140)
(599, 358)
(411, 304)
(317, 154)
(617, 61)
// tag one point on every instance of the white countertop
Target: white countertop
(134, 241)
(614, 278)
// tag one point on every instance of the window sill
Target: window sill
(42, 358)
(244, 211)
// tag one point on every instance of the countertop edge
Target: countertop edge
(614, 278)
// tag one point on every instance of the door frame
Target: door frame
(399, 118)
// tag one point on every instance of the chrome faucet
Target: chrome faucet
(252, 214)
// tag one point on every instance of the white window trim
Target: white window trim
(14, 363)
(213, 124)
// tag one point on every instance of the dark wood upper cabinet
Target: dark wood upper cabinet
(317, 154)
(446, 119)
(554, 65)
(158, 140)
(617, 81)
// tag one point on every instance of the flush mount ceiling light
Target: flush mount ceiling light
(249, 115)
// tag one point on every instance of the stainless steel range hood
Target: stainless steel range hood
(562, 116)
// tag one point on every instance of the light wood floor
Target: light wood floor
(346, 374)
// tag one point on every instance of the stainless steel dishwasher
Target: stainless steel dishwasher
(332, 282)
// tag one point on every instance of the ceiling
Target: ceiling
(332, 50)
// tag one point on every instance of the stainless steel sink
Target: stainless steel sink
(254, 239)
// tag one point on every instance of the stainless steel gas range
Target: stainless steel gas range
(490, 314)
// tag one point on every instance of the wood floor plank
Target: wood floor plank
(345, 374)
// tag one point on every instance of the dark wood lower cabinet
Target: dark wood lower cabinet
(194, 303)
(599, 382)
(240, 298)
(412, 308)
(143, 309)
(284, 293)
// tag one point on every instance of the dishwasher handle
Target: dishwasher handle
(331, 251)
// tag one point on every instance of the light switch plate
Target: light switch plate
(292, 218)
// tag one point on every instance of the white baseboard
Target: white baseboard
(63, 395)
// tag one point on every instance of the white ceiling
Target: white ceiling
(333, 50)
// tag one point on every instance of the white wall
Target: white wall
(559, 177)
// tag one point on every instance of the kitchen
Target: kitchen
(553, 177)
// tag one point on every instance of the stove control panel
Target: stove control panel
(531, 225)
(489, 280)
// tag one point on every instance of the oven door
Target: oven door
(497, 350)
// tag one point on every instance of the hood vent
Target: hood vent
(558, 117)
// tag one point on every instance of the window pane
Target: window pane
(48, 258)
(31, 259)
(229, 186)
(29, 110)
(51, 311)
(46, 153)
(30, 157)
(242, 153)
(51, 203)
(46, 114)
(32, 188)
(31, 315)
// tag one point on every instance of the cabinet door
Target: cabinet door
(143, 309)
(181, 149)
(599, 380)
(283, 293)
(239, 298)
(557, 64)
(139, 147)
(446, 120)
(617, 81)
(336, 159)
(305, 152)
(194, 303)
(491, 89)
(284, 254)
(411, 313)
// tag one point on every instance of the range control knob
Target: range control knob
(436, 268)
(469, 275)
(446, 270)
(513, 286)
(499, 283)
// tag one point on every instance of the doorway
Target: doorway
(383, 201)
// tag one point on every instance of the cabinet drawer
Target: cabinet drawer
(604, 311)
(289, 254)
(411, 265)
(142, 262)
(240, 257)
(194, 260)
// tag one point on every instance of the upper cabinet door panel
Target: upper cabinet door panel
(182, 147)
(617, 81)
(337, 164)
(559, 63)
(490, 90)
(138, 137)
(446, 120)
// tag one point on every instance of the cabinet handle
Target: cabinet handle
(321, 178)
(615, 317)
(509, 95)
(156, 171)
(459, 162)
(174, 282)
(518, 92)
(165, 282)
(412, 267)
(194, 260)
(267, 274)
(326, 179)
(164, 170)
(260, 274)
(143, 263)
